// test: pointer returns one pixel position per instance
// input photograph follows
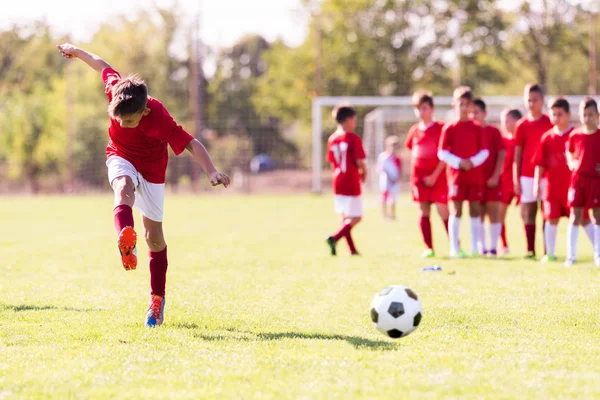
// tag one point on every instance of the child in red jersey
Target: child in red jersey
(528, 133)
(346, 154)
(428, 174)
(389, 167)
(140, 131)
(463, 147)
(583, 156)
(551, 166)
(508, 119)
(492, 170)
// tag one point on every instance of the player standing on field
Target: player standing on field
(140, 130)
(583, 155)
(508, 119)
(463, 147)
(347, 156)
(551, 165)
(389, 167)
(492, 170)
(528, 133)
(428, 174)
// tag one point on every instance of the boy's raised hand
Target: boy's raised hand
(67, 50)
(219, 178)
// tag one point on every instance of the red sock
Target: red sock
(426, 232)
(158, 272)
(446, 226)
(530, 232)
(503, 236)
(348, 237)
(342, 232)
(123, 216)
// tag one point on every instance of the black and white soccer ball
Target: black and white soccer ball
(396, 311)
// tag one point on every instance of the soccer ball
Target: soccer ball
(396, 311)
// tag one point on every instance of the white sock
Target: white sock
(482, 242)
(550, 238)
(453, 231)
(475, 233)
(495, 231)
(596, 241)
(589, 232)
(572, 236)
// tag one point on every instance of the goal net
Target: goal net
(386, 116)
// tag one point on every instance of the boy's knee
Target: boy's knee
(155, 240)
(123, 186)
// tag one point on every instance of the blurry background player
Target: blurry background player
(463, 147)
(509, 119)
(346, 154)
(492, 170)
(583, 155)
(528, 133)
(427, 174)
(389, 167)
(551, 165)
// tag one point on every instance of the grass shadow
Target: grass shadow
(28, 307)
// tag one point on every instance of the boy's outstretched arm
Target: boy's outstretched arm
(201, 156)
(69, 51)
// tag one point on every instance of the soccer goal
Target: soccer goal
(387, 116)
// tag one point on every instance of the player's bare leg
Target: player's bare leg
(392, 205)
(444, 214)
(493, 213)
(454, 229)
(502, 209)
(529, 214)
(158, 271)
(475, 214)
(425, 225)
(550, 231)
(596, 212)
(124, 190)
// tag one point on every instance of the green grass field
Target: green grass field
(256, 308)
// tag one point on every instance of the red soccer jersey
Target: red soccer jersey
(424, 147)
(585, 149)
(495, 143)
(551, 155)
(145, 146)
(528, 134)
(507, 168)
(344, 150)
(464, 139)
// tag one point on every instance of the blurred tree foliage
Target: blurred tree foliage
(53, 118)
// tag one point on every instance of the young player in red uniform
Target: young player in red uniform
(492, 170)
(140, 131)
(528, 133)
(583, 157)
(509, 119)
(427, 176)
(463, 147)
(346, 154)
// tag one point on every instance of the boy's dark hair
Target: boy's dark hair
(515, 113)
(534, 88)
(561, 102)
(589, 102)
(129, 96)
(463, 92)
(343, 113)
(478, 102)
(422, 97)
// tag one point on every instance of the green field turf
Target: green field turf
(256, 308)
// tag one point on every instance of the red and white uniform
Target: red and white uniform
(423, 142)
(551, 155)
(389, 167)
(141, 152)
(464, 140)
(508, 186)
(528, 134)
(344, 151)
(495, 144)
(584, 190)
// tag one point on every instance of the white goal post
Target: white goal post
(387, 110)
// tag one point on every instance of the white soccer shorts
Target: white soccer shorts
(348, 206)
(149, 197)
(527, 190)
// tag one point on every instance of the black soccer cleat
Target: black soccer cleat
(331, 243)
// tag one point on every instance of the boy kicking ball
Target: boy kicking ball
(140, 130)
